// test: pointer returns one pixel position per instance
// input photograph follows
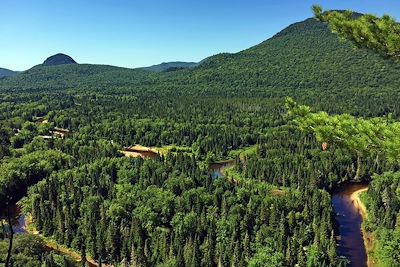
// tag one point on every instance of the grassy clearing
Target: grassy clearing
(164, 150)
(242, 152)
(237, 179)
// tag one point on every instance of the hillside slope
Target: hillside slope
(304, 55)
(171, 66)
(7, 73)
(305, 61)
(76, 76)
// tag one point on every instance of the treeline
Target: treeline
(375, 139)
(291, 158)
(383, 204)
(31, 251)
(171, 213)
(18, 174)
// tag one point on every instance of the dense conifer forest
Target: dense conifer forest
(63, 128)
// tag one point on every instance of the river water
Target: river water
(348, 219)
(217, 168)
(17, 219)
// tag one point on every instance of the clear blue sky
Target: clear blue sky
(134, 33)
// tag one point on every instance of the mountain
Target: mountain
(95, 77)
(171, 66)
(305, 55)
(7, 73)
(58, 59)
(305, 61)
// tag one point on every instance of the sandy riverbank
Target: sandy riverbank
(140, 151)
(367, 236)
(52, 245)
(355, 199)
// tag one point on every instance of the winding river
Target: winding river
(349, 218)
(19, 224)
(344, 201)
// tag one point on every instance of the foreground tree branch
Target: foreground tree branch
(381, 35)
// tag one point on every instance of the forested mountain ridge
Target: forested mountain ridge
(7, 73)
(305, 55)
(170, 66)
(273, 207)
(76, 75)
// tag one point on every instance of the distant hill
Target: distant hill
(7, 73)
(58, 59)
(75, 75)
(171, 66)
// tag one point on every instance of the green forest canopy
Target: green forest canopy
(170, 211)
